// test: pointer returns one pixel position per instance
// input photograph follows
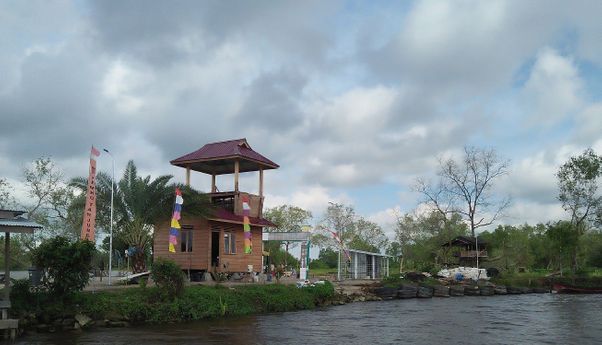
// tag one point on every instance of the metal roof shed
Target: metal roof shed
(13, 222)
(367, 265)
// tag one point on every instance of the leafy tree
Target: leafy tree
(329, 257)
(50, 202)
(65, 264)
(278, 256)
(564, 242)
(168, 276)
(6, 199)
(139, 204)
(421, 237)
(355, 231)
(578, 181)
(19, 254)
(511, 243)
(287, 219)
(464, 187)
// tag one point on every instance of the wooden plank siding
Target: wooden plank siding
(200, 257)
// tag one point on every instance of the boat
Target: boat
(562, 288)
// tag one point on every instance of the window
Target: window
(186, 238)
(229, 243)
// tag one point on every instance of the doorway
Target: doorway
(214, 248)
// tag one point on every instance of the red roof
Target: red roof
(217, 158)
(229, 217)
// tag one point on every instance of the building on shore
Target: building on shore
(468, 250)
(229, 240)
(367, 265)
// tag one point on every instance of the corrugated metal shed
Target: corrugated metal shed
(16, 224)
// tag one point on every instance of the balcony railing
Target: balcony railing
(471, 254)
(232, 201)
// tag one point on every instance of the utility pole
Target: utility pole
(111, 226)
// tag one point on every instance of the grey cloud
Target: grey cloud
(165, 32)
(53, 111)
(273, 101)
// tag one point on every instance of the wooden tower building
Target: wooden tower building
(218, 242)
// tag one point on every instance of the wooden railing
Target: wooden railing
(472, 254)
(232, 201)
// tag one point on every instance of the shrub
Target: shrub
(21, 296)
(168, 276)
(65, 265)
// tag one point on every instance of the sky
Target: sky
(353, 99)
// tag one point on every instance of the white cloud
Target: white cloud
(313, 198)
(553, 90)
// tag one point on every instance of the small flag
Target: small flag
(94, 152)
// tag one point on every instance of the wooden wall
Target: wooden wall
(200, 257)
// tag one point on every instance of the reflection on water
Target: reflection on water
(512, 319)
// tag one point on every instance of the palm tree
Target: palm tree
(139, 204)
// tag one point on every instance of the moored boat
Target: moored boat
(562, 288)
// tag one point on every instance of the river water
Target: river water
(510, 319)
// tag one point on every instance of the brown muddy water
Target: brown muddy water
(511, 319)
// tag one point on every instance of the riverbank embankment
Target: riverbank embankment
(143, 305)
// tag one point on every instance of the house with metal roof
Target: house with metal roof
(219, 243)
(11, 221)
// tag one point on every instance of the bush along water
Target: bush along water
(150, 304)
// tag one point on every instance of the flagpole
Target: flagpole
(111, 226)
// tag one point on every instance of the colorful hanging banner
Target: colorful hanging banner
(174, 230)
(90, 208)
(246, 224)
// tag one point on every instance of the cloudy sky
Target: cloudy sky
(353, 99)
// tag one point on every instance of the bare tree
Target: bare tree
(464, 187)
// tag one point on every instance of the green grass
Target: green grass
(149, 305)
(315, 272)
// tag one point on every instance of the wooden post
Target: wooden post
(188, 176)
(213, 187)
(261, 181)
(6, 266)
(355, 265)
(236, 171)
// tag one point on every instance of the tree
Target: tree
(355, 231)
(6, 199)
(578, 181)
(139, 204)
(287, 219)
(50, 201)
(66, 264)
(421, 238)
(464, 187)
(564, 240)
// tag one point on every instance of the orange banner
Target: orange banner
(90, 208)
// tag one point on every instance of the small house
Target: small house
(219, 243)
(467, 249)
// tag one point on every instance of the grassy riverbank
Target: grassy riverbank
(150, 305)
